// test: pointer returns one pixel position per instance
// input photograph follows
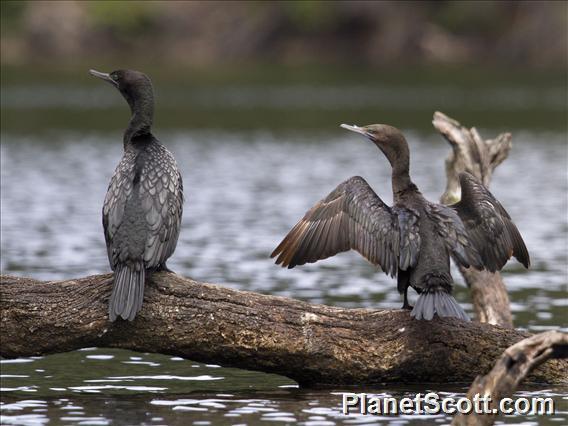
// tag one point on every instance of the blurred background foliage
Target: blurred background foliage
(500, 64)
(508, 33)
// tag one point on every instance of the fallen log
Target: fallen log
(315, 345)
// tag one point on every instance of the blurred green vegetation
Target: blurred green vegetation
(472, 17)
(529, 34)
(477, 51)
(125, 19)
(11, 13)
(311, 16)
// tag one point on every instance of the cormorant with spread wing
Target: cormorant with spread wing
(414, 239)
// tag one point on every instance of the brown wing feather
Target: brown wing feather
(352, 216)
(489, 226)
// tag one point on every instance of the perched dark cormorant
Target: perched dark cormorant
(412, 240)
(143, 205)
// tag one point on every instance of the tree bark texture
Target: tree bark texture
(315, 345)
(479, 157)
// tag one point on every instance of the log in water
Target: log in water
(316, 345)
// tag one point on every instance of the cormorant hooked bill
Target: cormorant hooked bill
(144, 202)
(412, 240)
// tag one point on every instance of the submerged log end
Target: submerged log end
(511, 369)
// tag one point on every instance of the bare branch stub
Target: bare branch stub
(511, 369)
(478, 156)
(470, 153)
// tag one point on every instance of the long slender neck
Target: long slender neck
(401, 181)
(142, 108)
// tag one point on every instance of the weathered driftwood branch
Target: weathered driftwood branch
(480, 158)
(513, 366)
(312, 344)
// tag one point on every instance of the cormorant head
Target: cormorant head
(135, 86)
(389, 139)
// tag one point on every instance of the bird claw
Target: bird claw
(164, 268)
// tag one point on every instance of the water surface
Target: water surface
(257, 147)
(244, 190)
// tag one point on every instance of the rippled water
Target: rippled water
(243, 193)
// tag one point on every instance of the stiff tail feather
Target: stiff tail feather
(127, 291)
(439, 302)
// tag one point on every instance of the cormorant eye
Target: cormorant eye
(114, 76)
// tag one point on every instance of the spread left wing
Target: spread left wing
(353, 216)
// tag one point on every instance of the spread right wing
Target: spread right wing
(489, 226)
(353, 216)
